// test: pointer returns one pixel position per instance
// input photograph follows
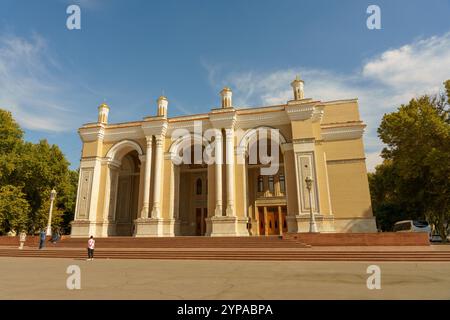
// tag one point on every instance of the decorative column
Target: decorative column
(240, 192)
(266, 226)
(224, 225)
(230, 171)
(152, 225)
(176, 205)
(147, 178)
(280, 221)
(156, 212)
(112, 167)
(218, 173)
(170, 223)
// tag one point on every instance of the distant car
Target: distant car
(435, 238)
(413, 226)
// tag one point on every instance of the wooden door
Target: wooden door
(271, 222)
(283, 215)
(203, 223)
(200, 222)
(261, 221)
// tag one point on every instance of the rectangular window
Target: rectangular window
(282, 184)
(271, 185)
(260, 184)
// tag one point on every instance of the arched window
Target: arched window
(198, 186)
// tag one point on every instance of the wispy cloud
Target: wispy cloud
(86, 4)
(381, 84)
(32, 85)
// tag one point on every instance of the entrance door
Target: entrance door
(261, 221)
(200, 216)
(272, 222)
(283, 219)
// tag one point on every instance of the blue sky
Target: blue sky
(129, 52)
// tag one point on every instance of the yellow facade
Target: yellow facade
(132, 182)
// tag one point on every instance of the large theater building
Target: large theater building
(132, 182)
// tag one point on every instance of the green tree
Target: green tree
(415, 175)
(35, 169)
(14, 209)
(44, 167)
(10, 146)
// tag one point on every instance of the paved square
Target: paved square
(41, 278)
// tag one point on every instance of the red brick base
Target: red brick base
(362, 239)
(30, 240)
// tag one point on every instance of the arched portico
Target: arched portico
(122, 188)
(260, 151)
(190, 198)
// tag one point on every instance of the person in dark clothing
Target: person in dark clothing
(42, 238)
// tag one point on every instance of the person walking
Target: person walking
(91, 247)
(22, 239)
(42, 237)
(55, 236)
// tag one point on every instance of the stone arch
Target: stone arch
(122, 148)
(184, 142)
(192, 179)
(122, 187)
(265, 218)
(243, 144)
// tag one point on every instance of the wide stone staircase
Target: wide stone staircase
(271, 248)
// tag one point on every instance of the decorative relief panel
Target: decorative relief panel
(305, 162)
(84, 197)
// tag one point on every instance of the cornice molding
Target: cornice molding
(120, 133)
(223, 119)
(253, 120)
(304, 111)
(88, 134)
(343, 133)
(154, 126)
(344, 161)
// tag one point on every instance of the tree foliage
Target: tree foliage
(414, 180)
(14, 209)
(33, 170)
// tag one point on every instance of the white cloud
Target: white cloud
(381, 84)
(31, 85)
(372, 160)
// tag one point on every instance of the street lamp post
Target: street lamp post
(312, 219)
(49, 225)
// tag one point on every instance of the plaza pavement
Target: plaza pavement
(43, 278)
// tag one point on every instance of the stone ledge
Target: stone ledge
(361, 239)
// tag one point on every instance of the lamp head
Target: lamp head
(308, 181)
(53, 194)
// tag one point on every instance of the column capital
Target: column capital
(111, 163)
(159, 138)
(218, 134)
(229, 133)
